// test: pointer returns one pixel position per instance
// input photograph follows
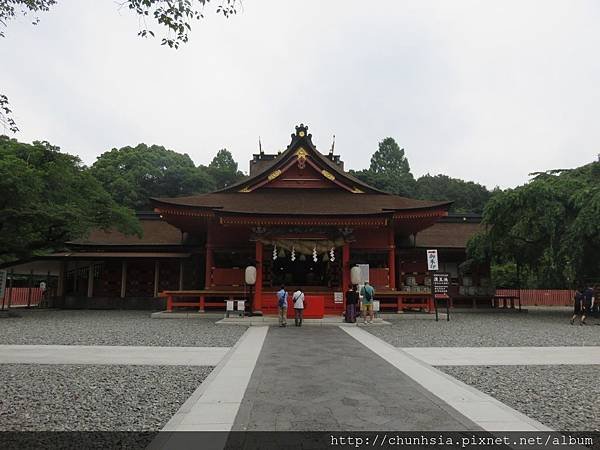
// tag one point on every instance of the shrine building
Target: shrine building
(299, 218)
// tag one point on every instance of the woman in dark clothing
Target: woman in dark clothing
(351, 301)
(579, 307)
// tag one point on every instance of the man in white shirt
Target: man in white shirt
(299, 305)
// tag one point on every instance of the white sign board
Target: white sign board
(43, 286)
(3, 276)
(376, 306)
(364, 272)
(241, 304)
(338, 297)
(432, 260)
(229, 305)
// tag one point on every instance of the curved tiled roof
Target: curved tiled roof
(295, 202)
(254, 195)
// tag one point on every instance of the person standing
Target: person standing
(368, 292)
(351, 302)
(578, 306)
(282, 306)
(299, 305)
(588, 296)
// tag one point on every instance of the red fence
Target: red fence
(20, 296)
(541, 297)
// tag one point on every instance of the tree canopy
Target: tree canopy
(549, 227)
(466, 195)
(224, 170)
(389, 170)
(132, 175)
(49, 198)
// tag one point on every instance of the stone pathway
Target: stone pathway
(505, 356)
(484, 410)
(108, 354)
(322, 379)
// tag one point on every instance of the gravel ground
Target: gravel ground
(90, 327)
(93, 398)
(537, 328)
(565, 398)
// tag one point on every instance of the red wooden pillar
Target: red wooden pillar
(257, 304)
(170, 303)
(345, 267)
(201, 305)
(392, 260)
(209, 261)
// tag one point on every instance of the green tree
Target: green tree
(389, 170)
(134, 174)
(224, 170)
(466, 195)
(49, 198)
(549, 227)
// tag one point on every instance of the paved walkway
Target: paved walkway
(214, 405)
(505, 356)
(484, 410)
(108, 354)
(322, 379)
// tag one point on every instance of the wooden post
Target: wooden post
(181, 275)
(90, 287)
(60, 288)
(257, 304)
(345, 266)
(123, 278)
(392, 260)
(399, 305)
(169, 303)
(156, 275)
(202, 304)
(29, 290)
(209, 260)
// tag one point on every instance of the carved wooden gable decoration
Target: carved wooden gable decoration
(302, 166)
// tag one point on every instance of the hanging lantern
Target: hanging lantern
(315, 253)
(332, 254)
(274, 252)
(293, 257)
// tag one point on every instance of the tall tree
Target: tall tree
(48, 198)
(134, 174)
(549, 227)
(389, 169)
(224, 169)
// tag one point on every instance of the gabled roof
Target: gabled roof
(300, 181)
(302, 140)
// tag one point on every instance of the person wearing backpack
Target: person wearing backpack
(299, 305)
(282, 306)
(367, 292)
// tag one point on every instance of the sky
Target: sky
(486, 91)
